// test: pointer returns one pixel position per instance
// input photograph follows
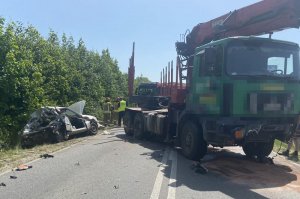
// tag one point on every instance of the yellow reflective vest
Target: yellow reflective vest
(122, 106)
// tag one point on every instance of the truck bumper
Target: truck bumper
(237, 131)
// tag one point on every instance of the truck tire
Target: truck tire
(259, 149)
(127, 121)
(249, 149)
(193, 145)
(138, 126)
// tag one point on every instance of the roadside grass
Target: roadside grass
(281, 146)
(11, 158)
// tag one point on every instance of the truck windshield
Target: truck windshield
(268, 59)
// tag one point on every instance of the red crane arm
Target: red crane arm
(266, 16)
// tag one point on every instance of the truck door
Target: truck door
(205, 95)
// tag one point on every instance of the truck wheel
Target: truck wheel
(138, 126)
(259, 149)
(127, 121)
(249, 149)
(94, 128)
(192, 143)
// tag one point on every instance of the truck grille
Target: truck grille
(270, 102)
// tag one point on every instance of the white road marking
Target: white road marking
(160, 176)
(169, 154)
(172, 183)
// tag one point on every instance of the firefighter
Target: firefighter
(121, 110)
(107, 108)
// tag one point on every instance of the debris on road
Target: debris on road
(116, 186)
(23, 167)
(2, 184)
(46, 155)
(13, 177)
(105, 132)
(199, 168)
(77, 164)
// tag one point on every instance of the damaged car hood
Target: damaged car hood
(77, 107)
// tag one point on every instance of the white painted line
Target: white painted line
(160, 176)
(172, 183)
(5, 172)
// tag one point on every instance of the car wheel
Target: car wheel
(193, 145)
(94, 128)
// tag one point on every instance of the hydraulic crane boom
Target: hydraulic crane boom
(264, 17)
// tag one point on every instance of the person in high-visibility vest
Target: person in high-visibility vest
(121, 110)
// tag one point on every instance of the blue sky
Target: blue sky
(154, 25)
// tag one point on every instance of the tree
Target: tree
(35, 72)
(140, 79)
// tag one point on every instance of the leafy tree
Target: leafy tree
(140, 79)
(37, 71)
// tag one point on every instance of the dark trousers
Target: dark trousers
(121, 115)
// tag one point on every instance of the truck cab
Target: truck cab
(243, 91)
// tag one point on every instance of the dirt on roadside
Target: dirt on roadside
(10, 159)
(238, 169)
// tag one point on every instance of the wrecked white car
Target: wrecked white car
(57, 124)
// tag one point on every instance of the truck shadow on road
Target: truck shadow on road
(229, 172)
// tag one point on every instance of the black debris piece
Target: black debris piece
(13, 177)
(46, 155)
(2, 184)
(116, 186)
(199, 168)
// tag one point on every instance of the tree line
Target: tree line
(37, 71)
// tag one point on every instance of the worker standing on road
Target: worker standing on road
(107, 108)
(296, 140)
(121, 110)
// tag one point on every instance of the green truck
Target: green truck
(238, 90)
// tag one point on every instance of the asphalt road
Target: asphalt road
(115, 166)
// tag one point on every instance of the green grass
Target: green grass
(281, 146)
